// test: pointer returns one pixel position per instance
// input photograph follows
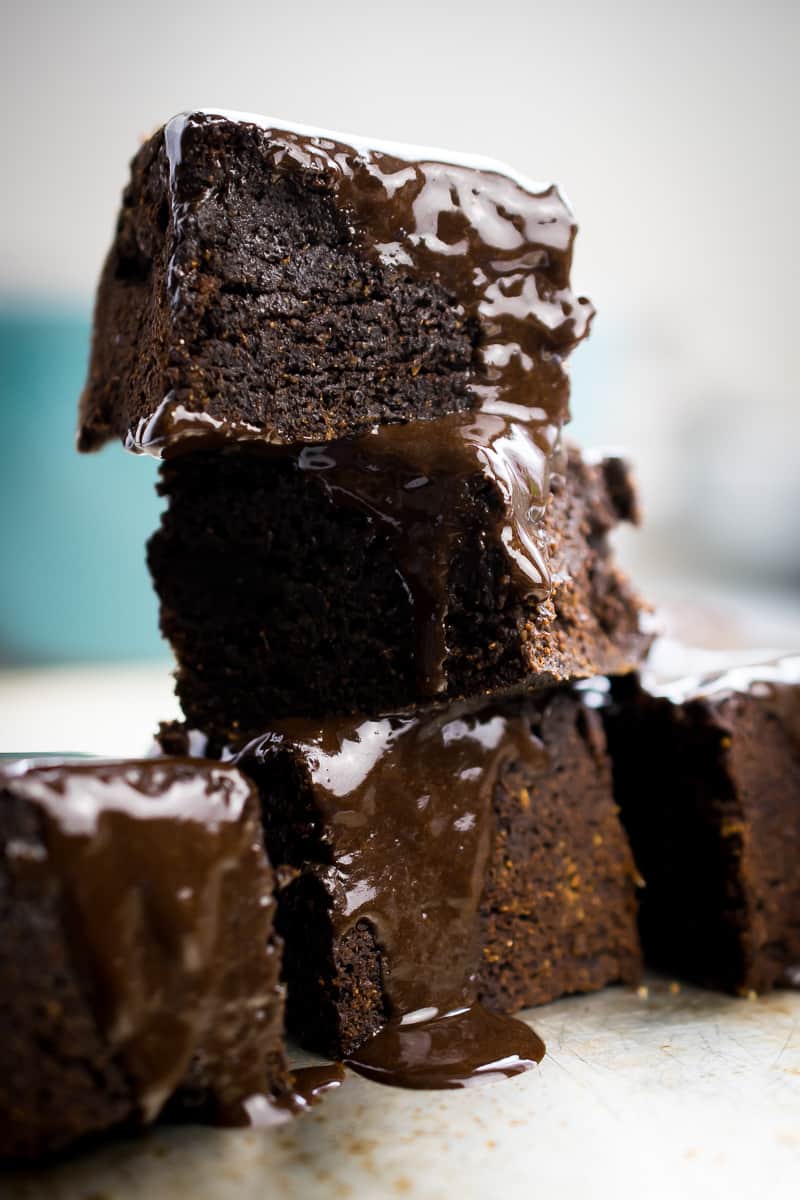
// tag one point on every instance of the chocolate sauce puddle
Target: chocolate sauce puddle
(311, 1083)
(467, 1047)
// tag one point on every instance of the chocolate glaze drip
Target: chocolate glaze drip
(501, 246)
(412, 480)
(144, 853)
(410, 802)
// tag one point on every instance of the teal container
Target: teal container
(72, 527)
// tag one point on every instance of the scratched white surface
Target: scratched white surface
(669, 1095)
(666, 1095)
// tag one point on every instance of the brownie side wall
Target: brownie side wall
(278, 602)
(684, 821)
(559, 910)
(334, 981)
(764, 763)
(335, 996)
(133, 319)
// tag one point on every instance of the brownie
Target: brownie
(139, 969)
(707, 776)
(442, 857)
(287, 284)
(359, 584)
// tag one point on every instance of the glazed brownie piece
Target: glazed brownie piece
(288, 284)
(707, 776)
(442, 857)
(325, 581)
(138, 963)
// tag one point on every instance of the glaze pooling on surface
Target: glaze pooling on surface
(466, 1047)
(409, 800)
(145, 855)
(311, 1083)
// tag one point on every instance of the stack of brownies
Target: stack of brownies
(380, 567)
(387, 582)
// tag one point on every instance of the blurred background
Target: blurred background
(672, 130)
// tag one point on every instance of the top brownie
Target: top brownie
(284, 285)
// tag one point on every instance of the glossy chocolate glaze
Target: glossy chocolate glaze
(146, 854)
(410, 803)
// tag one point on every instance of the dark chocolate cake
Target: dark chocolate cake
(294, 285)
(707, 776)
(324, 581)
(138, 964)
(443, 858)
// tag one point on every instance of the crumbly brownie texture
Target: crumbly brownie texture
(279, 600)
(138, 964)
(558, 914)
(443, 857)
(707, 776)
(278, 283)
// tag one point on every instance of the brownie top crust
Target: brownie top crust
(495, 247)
(141, 854)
